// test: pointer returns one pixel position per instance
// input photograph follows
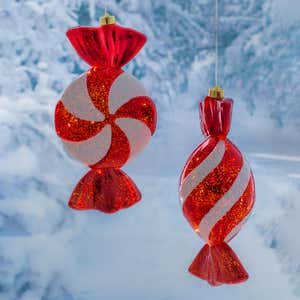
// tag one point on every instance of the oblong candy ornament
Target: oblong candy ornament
(217, 194)
(105, 117)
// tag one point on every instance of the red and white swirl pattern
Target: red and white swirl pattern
(217, 190)
(105, 118)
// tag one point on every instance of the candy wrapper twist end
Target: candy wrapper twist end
(107, 190)
(218, 264)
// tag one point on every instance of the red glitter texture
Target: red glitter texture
(71, 128)
(141, 108)
(214, 185)
(216, 262)
(106, 48)
(99, 82)
(107, 190)
(118, 152)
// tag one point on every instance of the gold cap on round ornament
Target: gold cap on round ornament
(216, 92)
(107, 19)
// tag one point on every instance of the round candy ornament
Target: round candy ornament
(105, 117)
(217, 194)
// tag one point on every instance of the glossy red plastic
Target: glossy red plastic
(215, 116)
(106, 46)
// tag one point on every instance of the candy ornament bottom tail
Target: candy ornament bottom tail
(107, 190)
(218, 264)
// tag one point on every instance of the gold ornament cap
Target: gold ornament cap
(107, 19)
(216, 92)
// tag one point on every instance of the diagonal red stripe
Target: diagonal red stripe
(198, 156)
(214, 186)
(99, 82)
(71, 128)
(118, 153)
(235, 215)
(141, 108)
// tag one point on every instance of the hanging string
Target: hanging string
(217, 43)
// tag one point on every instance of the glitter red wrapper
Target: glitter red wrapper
(93, 132)
(217, 193)
(107, 190)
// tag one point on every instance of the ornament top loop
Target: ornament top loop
(216, 92)
(107, 19)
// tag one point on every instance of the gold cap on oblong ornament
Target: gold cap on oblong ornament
(216, 92)
(107, 19)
